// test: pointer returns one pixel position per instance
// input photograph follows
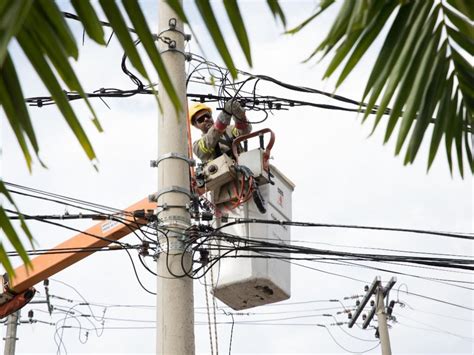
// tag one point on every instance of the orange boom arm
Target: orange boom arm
(19, 290)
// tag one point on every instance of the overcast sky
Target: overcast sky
(342, 176)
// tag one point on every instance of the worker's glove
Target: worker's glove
(234, 108)
(238, 114)
(223, 120)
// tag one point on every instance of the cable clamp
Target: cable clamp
(171, 155)
(154, 197)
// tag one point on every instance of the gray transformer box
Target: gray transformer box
(243, 279)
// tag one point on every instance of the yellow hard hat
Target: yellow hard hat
(195, 108)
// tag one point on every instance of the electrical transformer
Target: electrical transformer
(246, 279)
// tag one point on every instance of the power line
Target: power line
(69, 228)
(403, 304)
(346, 226)
(439, 300)
(61, 198)
(293, 241)
(344, 348)
(443, 281)
(238, 243)
(433, 328)
(71, 250)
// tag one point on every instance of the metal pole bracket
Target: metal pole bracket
(171, 155)
(154, 197)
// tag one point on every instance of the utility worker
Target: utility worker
(217, 137)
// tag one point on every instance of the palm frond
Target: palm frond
(7, 229)
(47, 41)
(421, 71)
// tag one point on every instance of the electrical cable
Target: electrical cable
(71, 228)
(439, 300)
(211, 342)
(136, 275)
(226, 84)
(434, 313)
(261, 246)
(84, 300)
(68, 250)
(62, 197)
(349, 334)
(231, 331)
(346, 226)
(146, 266)
(214, 311)
(433, 279)
(342, 347)
(294, 242)
(439, 330)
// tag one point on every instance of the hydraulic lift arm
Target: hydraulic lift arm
(19, 290)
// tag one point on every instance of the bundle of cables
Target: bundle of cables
(245, 188)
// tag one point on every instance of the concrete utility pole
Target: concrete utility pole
(10, 338)
(175, 304)
(382, 322)
(378, 309)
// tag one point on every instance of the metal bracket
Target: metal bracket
(171, 246)
(174, 221)
(154, 197)
(171, 155)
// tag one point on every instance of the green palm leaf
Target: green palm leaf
(13, 103)
(237, 22)
(210, 21)
(8, 230)
(89, 19)
(410, 74)
(45, 37)
(277, 11)
(12, 14)
(421, 71)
